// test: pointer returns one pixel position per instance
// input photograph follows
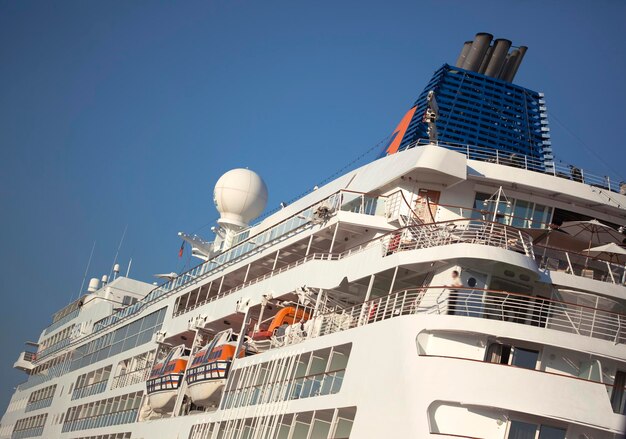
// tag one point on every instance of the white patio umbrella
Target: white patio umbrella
(612, 251)
(593, 232)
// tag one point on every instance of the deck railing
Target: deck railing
(36, 405)
(63, 320)
(29, 432)
(580, 264)
(458, 231)
(91, 389)
(311, 257)
(557, 169)
(130, 378)
(98, 421)
(343, 200)
(41, 355)
(480, 303)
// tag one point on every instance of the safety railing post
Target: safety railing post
(569, 263)
(608, 267)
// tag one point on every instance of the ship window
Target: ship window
(285, 426)
(522, 430)
(528, 430)
(525, 358)
(319, 360)
(303, 422)
(512, 355)
(345, 418)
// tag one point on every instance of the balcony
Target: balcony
(62, 321)
(561, 170)
(131, 378)
(89, 390)
(584, 321)
(579, 264)
(465, 231)
(25, 362)
(341, 201)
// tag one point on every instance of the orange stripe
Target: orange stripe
(400, 131)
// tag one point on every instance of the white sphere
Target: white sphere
(240, 196)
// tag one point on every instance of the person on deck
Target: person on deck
(453, 292)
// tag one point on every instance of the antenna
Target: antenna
(86, 270)
(118, 251)
(129, 264)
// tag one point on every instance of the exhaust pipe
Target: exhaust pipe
(463, 55)
(521, 52)
(483, 65)
(498, 57)
(477, 52)
(508, 65)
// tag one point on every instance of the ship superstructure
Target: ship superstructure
(441, 291)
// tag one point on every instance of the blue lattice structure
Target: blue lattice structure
(475, 109)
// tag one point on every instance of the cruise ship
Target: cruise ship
(465, 284)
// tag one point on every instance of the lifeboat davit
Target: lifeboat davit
(209, 369)
(165, 380)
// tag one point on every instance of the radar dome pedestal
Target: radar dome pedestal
(240, 195)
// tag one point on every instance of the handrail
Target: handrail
(580, 264)
(130, 378)
(203, 270)
(63, 320)
(458, 231)
(89, 390)
(488, 304)
(184, 279)
(353, 250)
(556, 169)
(281, 380)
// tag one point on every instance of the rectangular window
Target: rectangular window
(525, 358)
(512, 355)
(528, 430)
(547, 432)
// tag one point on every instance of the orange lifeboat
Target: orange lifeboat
(165, 379)
(209, 368)
(288, 315)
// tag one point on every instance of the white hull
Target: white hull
(163, 401)
(206, 393)
(393, 351)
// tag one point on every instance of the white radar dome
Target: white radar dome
(240, 196)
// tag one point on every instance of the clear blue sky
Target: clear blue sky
(119, 113)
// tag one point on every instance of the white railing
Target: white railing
(63, 320)
(458, 231)
(91, 389)
(36, 405)
(130, 378)
(557, 169)
(342, 200)
(479, 303)
(407, 238)
(580, 264)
